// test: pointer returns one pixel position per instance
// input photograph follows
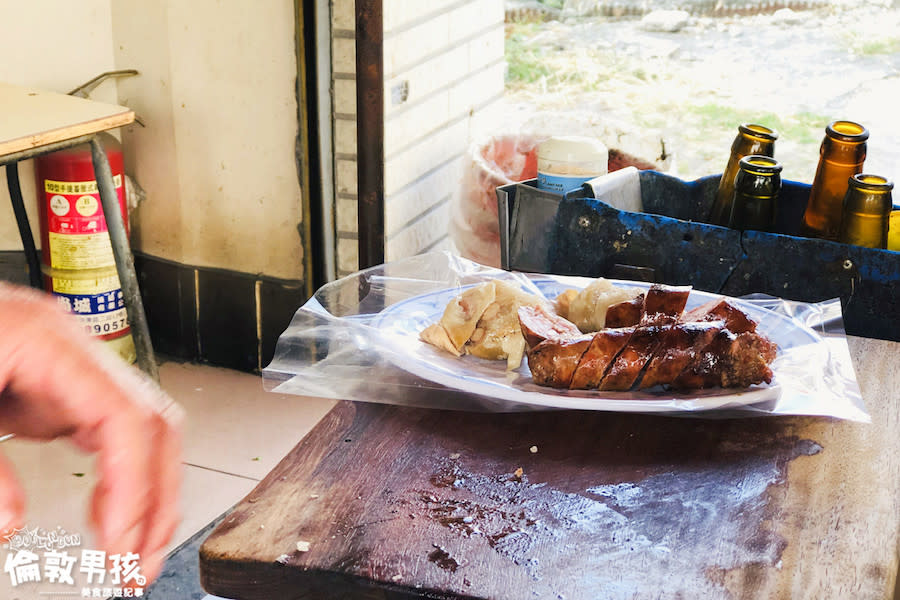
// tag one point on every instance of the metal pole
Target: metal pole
(18, 204)
(146, 361)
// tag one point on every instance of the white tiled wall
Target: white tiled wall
(443, 62)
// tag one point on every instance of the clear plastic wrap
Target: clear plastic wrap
(357, 339)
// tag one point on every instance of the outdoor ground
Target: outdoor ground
(688, 89)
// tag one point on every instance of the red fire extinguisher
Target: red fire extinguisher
(78, 266)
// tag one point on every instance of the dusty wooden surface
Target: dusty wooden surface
(401, 503)
(35, 118)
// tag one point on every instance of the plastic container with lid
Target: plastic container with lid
(566, 162)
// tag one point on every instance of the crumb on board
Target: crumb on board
(519, 472)
(302, 546)
(454, 456)
(533, 449)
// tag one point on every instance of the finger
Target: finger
(12, 498)
(165, 513)
(124, 492)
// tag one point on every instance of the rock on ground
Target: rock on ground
(669, 21)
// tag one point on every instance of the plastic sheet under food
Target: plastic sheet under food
(358, 339)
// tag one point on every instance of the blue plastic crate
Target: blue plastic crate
(667, 243)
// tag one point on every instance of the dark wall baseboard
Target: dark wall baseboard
(216, 316)
(201, 314)
(13, 266)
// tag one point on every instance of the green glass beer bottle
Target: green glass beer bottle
(867, 211)
(752, 139)
(755, 200)
(841, 156)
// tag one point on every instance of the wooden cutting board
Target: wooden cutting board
(390, 502)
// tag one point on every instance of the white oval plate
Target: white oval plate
(400, 324)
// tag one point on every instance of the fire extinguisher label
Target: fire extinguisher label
(77, 232)
(80, 251)
(97, 303)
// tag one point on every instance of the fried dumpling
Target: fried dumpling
(498, 334)
(437, 336)
(462, 314)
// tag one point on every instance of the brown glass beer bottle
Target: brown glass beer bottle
(756, 188)
(751, 139)
(867, 211)
(841, 156)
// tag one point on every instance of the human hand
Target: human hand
(57, 382)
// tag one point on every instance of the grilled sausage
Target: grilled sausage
(539, 324)
(682, 344)
(693, 350)
(627, 313)
(604, 348)
(631, 360)
(553, 361)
